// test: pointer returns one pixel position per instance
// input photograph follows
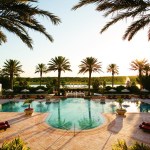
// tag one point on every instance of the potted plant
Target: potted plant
(29, 110)
(120, 110)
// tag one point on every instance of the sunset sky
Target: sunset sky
(77, 37)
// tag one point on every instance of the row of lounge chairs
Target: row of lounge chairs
(36, 97)
(128, 96)
(116, 96)
(24, 96)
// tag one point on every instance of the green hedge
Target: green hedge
(78, 80)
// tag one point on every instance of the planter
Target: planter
(121, 112)
(28, 111)
(102, 100)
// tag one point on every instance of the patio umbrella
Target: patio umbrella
(39, 90)
(144, 90)
(112, 90)
(9, 90)
(125, 91)
(25, 90)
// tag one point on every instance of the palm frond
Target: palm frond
(82, 3)
(122, 9)
(135, 27)
(16, 15)
(2, 37)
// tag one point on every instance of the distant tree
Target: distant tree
(90, 64)
(11, 69)
(17, 16)
(41, 68)
(135, 10)
(146, 69)
(138, 65)
(52, 85)
(5, 82)
(113, 68)
(59, 64)
(95, 85)
(145, 81)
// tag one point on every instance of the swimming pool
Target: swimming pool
(78, 113)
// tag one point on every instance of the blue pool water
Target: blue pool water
(75, 113)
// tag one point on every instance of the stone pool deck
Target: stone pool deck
(40, 136)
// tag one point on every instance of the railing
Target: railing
(61, 141)
(58, 140)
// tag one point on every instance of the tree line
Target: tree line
(13, 69)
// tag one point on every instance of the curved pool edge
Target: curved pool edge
(108, 117)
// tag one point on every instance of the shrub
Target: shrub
(15, 144)
(121, 145)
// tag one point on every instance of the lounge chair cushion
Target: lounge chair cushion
(4, 125)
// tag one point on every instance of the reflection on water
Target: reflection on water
(75, 113)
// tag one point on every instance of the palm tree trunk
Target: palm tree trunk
(40, 80)
(146, 73)
(11, 82)
(89, 84)
(140, 75)
(112, 80)
(59, 74)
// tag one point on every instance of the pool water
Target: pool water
(75, 113)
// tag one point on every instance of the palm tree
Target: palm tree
(17, 16)
(138, 65)
(113, 68)
(41, 68)
(12, 68)
(137, 10)
(147, 69)
(89, 64)
(59, 64)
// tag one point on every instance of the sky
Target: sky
(77, 37)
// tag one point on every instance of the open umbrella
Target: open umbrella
(112, 90)
(144, 90)
(39, 90)
(25, 90)
(125, 91)
(9, 90)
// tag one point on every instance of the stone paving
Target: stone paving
(40, 136)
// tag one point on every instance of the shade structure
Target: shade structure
(9, 90)
(40, 90)
(144, 90)
(25, 90)
(125, 91)
(97, 94)
(112, 90)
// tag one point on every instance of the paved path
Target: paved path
(40, 136)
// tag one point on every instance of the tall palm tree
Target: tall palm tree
(113, 68)
(138, 65)
(59, 64)
(17, 16)
(41, 68)
(90, 64)
(137, 10)
(11, 69)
